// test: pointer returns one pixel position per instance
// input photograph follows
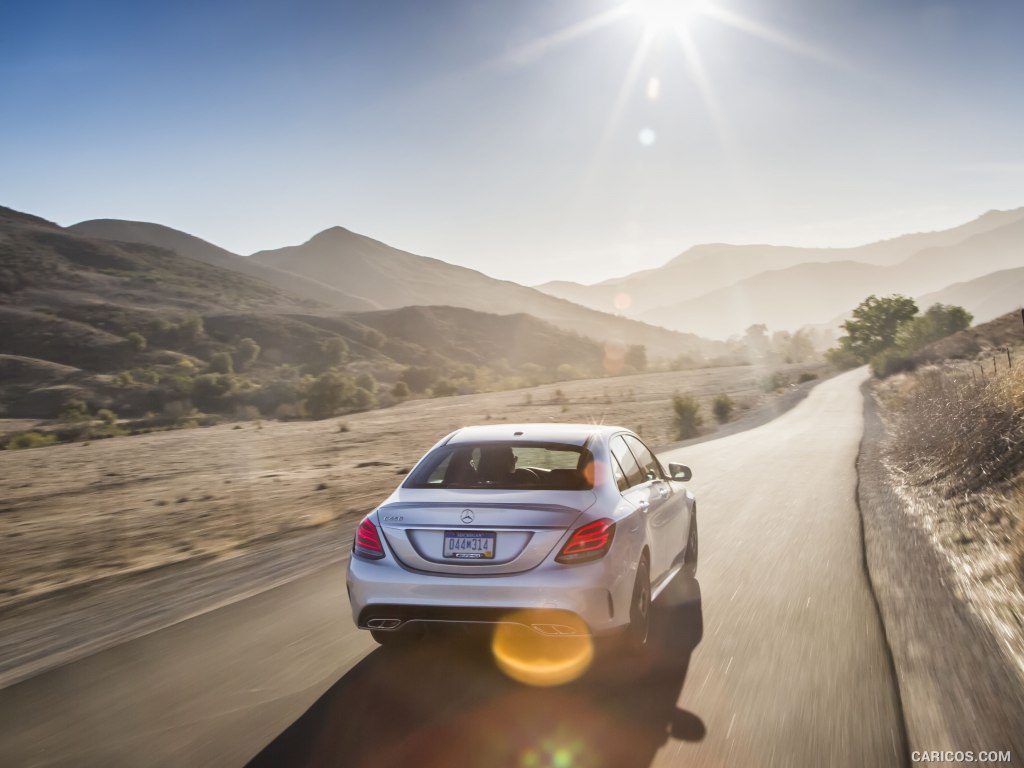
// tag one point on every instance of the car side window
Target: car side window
(644, 457)
(621, 453)
(620, 477)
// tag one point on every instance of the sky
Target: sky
(530, 139)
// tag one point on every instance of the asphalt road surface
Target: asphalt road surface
(783, 661)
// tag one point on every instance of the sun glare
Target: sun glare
(666, 16)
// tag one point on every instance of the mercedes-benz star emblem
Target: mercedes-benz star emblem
(468, 516)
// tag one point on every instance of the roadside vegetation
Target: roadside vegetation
(955, 454)
(891, 335)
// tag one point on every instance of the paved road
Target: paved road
(783, 662)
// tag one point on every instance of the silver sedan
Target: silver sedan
(564, 529)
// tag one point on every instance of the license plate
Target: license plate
(469, 545)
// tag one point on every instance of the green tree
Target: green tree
(363, 399)
(328, 393)
(107, 416)
(875, 324)
(687, 415)
(248, 352)
(723, 406)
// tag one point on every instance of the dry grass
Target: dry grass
(956, 456)
(77, 512)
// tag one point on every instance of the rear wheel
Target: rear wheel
(640, 610)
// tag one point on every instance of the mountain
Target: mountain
(200, 250)
(985, 297)
(142, 329)
(393, 278)
(816, 293)
(704, 269)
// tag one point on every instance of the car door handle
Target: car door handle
(643, 505)
(663, 491)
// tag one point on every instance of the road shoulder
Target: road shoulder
(959, 690)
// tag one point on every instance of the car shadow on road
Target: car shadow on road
(445, 703)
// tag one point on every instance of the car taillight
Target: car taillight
(366, 542)
(588, 542)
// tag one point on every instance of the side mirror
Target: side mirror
(679, 472)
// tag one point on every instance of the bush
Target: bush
(363, 399)
(136, 341)
(107, 416)
(445, 388)
(334, 351)
(843, 359)
(687, 416)
(400, 390)
(723, 407)
(30, 440)
(418, 378)
(74, 410)
(221, 362)
(248, 352)
(774, 382)
(328, 393)
(891, 361)
(807, 376)
(367, 382)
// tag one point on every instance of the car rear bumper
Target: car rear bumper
(550, 599)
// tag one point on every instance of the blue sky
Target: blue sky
(516, 136)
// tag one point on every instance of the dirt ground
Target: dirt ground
(75, 513)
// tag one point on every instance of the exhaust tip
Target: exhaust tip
(383, 623)
(554, 629)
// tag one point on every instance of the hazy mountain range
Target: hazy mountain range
(719, 290)
(360, 273)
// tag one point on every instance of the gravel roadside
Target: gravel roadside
(959, 690)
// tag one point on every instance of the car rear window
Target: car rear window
(505, 466)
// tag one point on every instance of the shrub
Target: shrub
(636, 357)
(221, 362)
(328, 393)
(445, 388)
(107, 416)
(363, 399)
(807, 376)
(334, 351)
(687, 416)
(248, 352)
(400, 390)
(773, 382)
(843, 359)
(723, 407)
(367, 382)
(136, 341)
(891, 361)
(418, 378)
(74, 410)
(30, 440)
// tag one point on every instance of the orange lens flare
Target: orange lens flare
(541, 660)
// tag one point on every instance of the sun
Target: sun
(661, 16)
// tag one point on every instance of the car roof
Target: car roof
(567, 434)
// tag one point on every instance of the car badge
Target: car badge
(468, 516)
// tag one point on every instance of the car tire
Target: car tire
(639, 631)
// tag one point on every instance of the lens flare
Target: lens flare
(541, 660)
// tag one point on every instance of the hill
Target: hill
(208, 253)
(141, 329)
(808, 294)
(392, 278)
(703, 269)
